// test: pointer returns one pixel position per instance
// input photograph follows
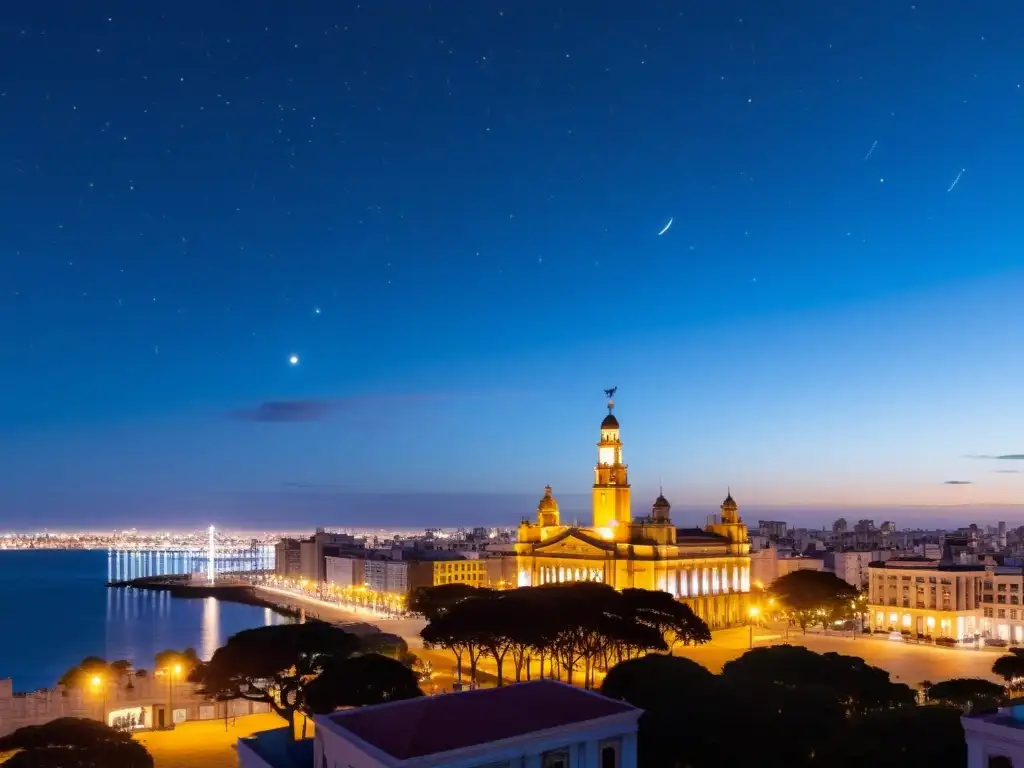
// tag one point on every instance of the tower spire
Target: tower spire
(610, 394)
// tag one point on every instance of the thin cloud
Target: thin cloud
(959, 482)
(312, 486)
(372, 408)
(1007, 471)
(1003, 457)
(286, 411)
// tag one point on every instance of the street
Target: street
(905, 662)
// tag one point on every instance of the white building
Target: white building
(852, 567)
(962, 601)
(1000, 734)
(540, 724)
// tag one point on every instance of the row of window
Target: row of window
(1000, 613)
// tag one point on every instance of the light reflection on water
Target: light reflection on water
(58, 611)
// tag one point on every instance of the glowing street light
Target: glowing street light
(172, 672)
(754, 611)
(97, 685)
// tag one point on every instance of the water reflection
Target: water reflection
(211, 628)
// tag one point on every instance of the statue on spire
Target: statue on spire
(610, 393)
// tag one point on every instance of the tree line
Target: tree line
(782, 705)
(571, 630)
(91, 668)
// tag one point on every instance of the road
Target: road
(907, 663)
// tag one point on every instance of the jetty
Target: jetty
(229, 588)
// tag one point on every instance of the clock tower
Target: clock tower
(611, 480)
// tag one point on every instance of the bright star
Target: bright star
(293, 360)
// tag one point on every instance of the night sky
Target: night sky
(449, 214)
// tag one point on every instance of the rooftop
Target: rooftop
(425, 726)
(277, 749)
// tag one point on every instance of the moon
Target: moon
(665, 228)
(293, 360)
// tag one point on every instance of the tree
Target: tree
(274, 664)
(386, 644)
(360, 681)
(432, 602)
(654, 682)
(1011, 668)
(967, 693)
(187, 659)
(73, 741)
(82, 674)
(910, 737)
(857, 685)
(679, 695)
(450, 630)
(673, 619)
(811, 597)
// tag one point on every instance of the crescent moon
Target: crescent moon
(665, 229)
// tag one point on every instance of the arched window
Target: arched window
(609, 757)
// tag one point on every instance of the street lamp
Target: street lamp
(753, 611)
(171, 673)
(97, 685)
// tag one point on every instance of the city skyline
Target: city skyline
(266, 271)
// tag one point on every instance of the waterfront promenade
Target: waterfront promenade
(907, 663)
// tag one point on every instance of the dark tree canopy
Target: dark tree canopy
(431, 602)
(1011, 668)
(967, 693)
(814, 597)
(575, 628)
(656, 681)
(274, 664)
(858, 686)
(360, 681)
(82, 674)
(72, 742)
(910, 737)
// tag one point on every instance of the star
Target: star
(293, 360)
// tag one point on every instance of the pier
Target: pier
(126, 564)
(232, 588)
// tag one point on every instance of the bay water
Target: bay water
(55, 610)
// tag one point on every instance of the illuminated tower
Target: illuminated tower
(611, 480)
(210, 573)
(732, 527)
(547, 510)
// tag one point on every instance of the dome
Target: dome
(661, 501)
(729, 503)
(548, 503)
(610, 422)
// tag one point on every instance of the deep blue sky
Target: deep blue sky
(449, 212)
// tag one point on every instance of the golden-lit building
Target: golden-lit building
(708, 568)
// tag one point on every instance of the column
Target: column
(591, 758)
(627, 755)
(694, 582)
(714, 580)
(705, 586)
(684, 582)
